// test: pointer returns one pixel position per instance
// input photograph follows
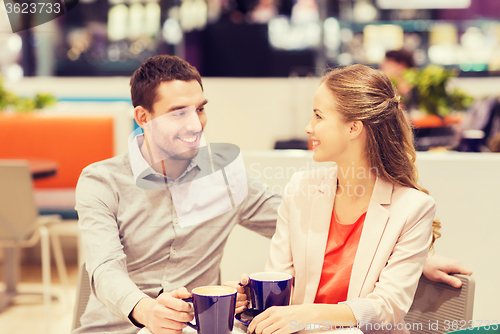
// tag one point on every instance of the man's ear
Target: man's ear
(356, 129)
(141, 116)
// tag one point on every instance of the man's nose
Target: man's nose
(193, 123)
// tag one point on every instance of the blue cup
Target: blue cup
(269, 289)
(214, 308)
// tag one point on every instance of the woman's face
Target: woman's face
(328, 132)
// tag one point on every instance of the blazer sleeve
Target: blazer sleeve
(393, 293)
(280, 257)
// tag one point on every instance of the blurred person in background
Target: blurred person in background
(395, 63)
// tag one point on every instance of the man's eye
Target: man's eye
(200, 110)
(179, 114)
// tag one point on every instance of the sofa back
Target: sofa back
(73, 142)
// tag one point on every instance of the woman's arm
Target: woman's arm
(397, 281)
(290, 319)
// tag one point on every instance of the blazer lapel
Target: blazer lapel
(374, 226)
(319, 225)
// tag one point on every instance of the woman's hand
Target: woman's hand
(282, 319)
(242, 299)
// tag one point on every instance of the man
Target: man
(130, 219)
(395, 63)
(131, 232)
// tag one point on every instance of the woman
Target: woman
(355, 236)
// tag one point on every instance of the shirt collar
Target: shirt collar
(142, 170)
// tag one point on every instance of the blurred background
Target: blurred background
(256, 38)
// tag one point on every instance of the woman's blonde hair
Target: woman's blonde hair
(367, 95)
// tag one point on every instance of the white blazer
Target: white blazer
(394, 243)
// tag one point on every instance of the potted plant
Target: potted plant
(438, 100)
(11, 102)
(434, 95)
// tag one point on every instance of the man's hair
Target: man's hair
(146, 79)
(401, 56)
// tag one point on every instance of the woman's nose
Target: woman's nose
(309, 128)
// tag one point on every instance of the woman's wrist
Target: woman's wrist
(339, 315)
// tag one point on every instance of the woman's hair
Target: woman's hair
(367, 95)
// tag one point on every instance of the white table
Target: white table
(237, 328)
(240, 328)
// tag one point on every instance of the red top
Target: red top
(340, 250)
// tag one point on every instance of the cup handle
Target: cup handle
(195, 327)
(250, 306)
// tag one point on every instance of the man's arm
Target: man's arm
(438, 268)
(259, 210)
(97, 205)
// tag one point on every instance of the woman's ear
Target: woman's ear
(356, 129)
(141, 116)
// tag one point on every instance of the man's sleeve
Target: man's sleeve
(97, 205)
(258, 212)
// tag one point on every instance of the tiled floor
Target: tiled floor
(27, 315)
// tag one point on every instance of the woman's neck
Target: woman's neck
(355, 179)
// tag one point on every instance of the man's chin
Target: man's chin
(187, 155)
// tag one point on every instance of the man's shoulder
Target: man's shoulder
(107, 170)
(113, 164)
(105, 177)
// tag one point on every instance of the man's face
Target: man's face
(392, 68)
(176, 121)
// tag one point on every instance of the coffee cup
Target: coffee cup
(214, 308)
(269, 289)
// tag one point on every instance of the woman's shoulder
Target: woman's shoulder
(409, 196)
(316, 176)
(311, 182)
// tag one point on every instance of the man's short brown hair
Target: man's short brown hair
(153, 72)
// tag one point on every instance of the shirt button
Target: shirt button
(176, 221)
(174, 251)
(166, 282)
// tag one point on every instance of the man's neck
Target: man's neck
(170, 168)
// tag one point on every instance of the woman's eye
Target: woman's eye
(201, 110)
(317, 116)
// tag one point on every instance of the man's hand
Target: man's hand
(438, 269)
(166, 314)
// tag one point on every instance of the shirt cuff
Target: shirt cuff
(364, 312)
(132, 320)
(129, 303)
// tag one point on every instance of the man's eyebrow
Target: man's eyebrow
(174, 108)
